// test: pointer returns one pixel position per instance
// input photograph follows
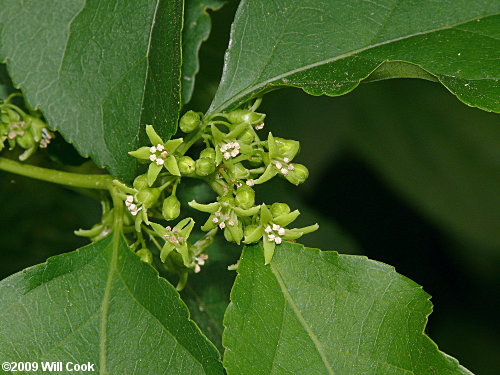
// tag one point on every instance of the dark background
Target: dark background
(401, 171)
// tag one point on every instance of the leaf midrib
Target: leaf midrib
(253, 87)
(301, 319)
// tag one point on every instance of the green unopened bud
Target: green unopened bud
(239, 172)
(227, 200)
(245, 197)
(190, 121)
(171, 208)
(208, 153)
(247, 137)
(205, 166)
(278, 209)
(148, 196)
(298, 175)
(287, 148)
(186, 165)
(145, 255)
(141, 182)
(37, 127)
(242, 115)
(26, 140)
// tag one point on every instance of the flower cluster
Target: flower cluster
(233, 160)
(18, 128)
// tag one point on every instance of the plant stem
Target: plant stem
(87, 181)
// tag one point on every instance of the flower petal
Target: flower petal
(141, 153)
(269, 247)
(154, 138)
(153, 172)
(172, 145)
(209, 208)
(171, 165)
(286, 219)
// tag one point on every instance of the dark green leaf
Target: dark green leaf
(197, 25)
(103, 305)
(328, 47)
(312, 312)
(98, 70)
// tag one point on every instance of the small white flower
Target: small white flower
(277, 240)
(152, 157)
(223, 148)
(234, 153)
(259, 126)
(231, 223)
(291, 167)
(164, 154)
(197, 268)
(286, 160)
(152, 149)
(281, 231)
(160, 161)
(222, 225)
(227, 155)
(215, 220)
(250, 182)
(160, 147)
(271, 237)
(268, 229)
(132, 207)
(130, 198)
(217, 213)
(276, 227)
(284, 171)
(278, 165)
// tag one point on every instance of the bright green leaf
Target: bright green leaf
(197, 25)
(329, 47)
(101, 304)
(99, 70)
(312, 312)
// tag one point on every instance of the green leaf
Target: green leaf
(99, 70)
(101, 304)
(329, 47)
(197, 25)
(313, 312)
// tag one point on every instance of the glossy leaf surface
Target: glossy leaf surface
(103, 305)
(329, 47)
(313, 312)
(99, 70)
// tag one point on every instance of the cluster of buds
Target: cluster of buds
(18, 128)
(234, 159)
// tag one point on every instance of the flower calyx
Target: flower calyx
(160, 154)
(272, 228)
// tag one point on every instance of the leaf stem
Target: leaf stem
(87, 181)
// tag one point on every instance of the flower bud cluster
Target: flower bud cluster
(20, 129)
(233, 160)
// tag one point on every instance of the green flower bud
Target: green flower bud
(186, 165)
(278, 209)
(205, 166)
(148, 196)
(242, 115)
(141, 182)
(247, 137)
(145, 255)
(239, 172)
(287, 148)
(245, 197)
(171, 208)
(26, 140)
(208, 153)
(227, 200)
(190, 121)
(298, 175)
